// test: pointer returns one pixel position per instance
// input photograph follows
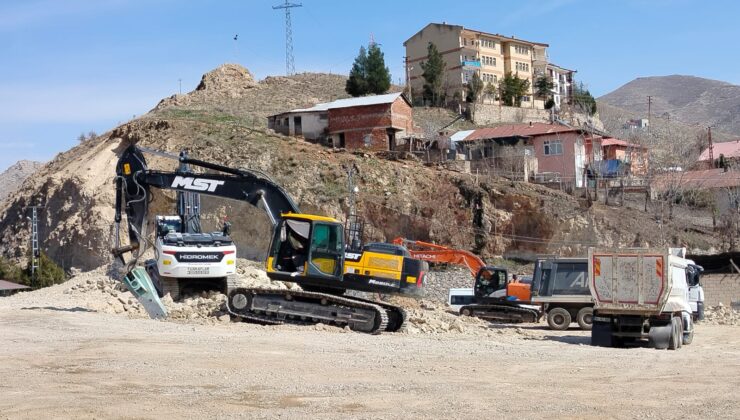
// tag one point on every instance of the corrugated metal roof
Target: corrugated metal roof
(518, 130)
(352, 102)
(617, 142)
(460, 135)
(730, 149)
(698, 180)
(9, 285)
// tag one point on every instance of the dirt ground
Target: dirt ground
(70, 362)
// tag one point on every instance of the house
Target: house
(558, 151)
(8, 288)
(634, 124)
(724, 185)
(466, 51)
(633, 155)
(309, 123)
(730, 152)
(381, 122)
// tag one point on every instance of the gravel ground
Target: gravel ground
(61, 357)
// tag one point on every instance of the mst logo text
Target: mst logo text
(196, 184)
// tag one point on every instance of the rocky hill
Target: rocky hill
(12, 178)
(688, 99)
(223, 121)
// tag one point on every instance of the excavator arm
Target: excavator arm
(134, 182)
(440, 254)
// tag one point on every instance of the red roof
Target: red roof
(730, 149)
(519, 130)
(617, 142)
(699, 180)
(9, 285)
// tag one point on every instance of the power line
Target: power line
(289, 63)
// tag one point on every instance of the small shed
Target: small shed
(8, 288)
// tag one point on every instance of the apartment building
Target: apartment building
(562, 81)
(467, 51)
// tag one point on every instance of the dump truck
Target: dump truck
(641, 294)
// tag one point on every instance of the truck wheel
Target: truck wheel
(659, 336)
(679, 332)
(688, 337)
(558, 319)
(584, 318)
(601, 334)
(675, 340)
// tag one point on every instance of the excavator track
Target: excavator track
(297, 307)
(509, 313)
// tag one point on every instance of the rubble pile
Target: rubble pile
(440, 282)
(431, 318)
(721, 315)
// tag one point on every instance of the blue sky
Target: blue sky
(71, 66)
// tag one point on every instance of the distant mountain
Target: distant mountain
(13, 177)
(688, 99)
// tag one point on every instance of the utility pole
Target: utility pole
(711, 147)
(289, 64)
(35, 250)
(180, 82)
(355, 226)
(650, 120)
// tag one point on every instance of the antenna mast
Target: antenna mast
(289, 64)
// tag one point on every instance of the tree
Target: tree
(433, 75)
(512, 88)
(475, 87)
(490, 90)
(583, 100)
(48, 274)
(543, 87)
(357, 82)
(378, 76)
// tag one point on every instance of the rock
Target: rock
(224, 318)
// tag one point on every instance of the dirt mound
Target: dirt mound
(231, 78)
(721, 315)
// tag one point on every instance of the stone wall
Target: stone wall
(721, 288)
(488, 114)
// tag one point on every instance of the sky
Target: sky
(73, 66)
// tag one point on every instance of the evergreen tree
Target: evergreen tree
(48, 274)
(543, 87)
(378, 77)
(583, 100)
(475, 87)
(433, 75)
(357, 82)
(512, 88)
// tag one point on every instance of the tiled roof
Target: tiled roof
(730, 149)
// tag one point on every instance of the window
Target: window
(553, 147)
(522, 66)
(488, 61)
(488, 43)
(521, 50)
(525, 98)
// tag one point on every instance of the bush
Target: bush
(49, 273)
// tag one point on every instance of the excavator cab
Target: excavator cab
(490, 280)
(308, 250)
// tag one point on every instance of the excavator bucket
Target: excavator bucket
(140, 285)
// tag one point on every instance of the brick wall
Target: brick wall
(374, 120)
(723, 288)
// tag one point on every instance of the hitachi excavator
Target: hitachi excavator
(494, 296)
(306, 249)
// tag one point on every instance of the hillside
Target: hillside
(688, 99)
(223, 121)
(12, 178)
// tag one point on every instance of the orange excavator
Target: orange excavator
(495, 296)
